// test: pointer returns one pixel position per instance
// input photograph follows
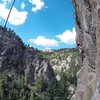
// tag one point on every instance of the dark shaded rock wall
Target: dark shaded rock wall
(18, 60)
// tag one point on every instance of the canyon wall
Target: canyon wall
(87, 25)
(17, 59)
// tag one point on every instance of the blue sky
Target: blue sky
(41, 23)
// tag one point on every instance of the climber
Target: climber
(80, 46)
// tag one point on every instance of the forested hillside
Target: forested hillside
(30, 74)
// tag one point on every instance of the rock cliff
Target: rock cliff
(87, 24)
(18, 60)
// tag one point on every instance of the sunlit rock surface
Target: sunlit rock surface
(87, 24)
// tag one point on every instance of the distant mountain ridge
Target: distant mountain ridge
(60, 59)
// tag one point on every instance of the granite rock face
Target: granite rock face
(87, 24)
(18, 60)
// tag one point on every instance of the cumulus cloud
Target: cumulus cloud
(42, 41)
(16, 17)
(37, 5)
(68, 37)
(23, 5)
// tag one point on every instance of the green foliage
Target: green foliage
(58, 90)
(8, 88)
(11, 89)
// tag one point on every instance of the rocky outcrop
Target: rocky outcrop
(87, 24)
(18, 60)
(61, 59)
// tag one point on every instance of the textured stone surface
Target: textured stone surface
(16, 59)
(87, 24)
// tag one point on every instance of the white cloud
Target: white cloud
(42, 41)
(47, 48)
(68, 37)
(16, 17)
(38, 5)
(23, 5)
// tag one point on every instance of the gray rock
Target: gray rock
(18, 60)
(87, 24)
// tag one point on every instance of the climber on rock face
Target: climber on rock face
(80, 46)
